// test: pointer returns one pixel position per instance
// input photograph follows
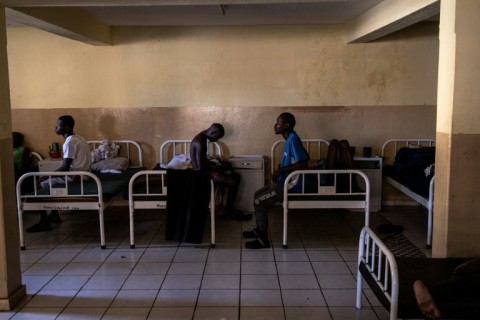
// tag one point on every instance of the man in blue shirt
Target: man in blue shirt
(294, 157)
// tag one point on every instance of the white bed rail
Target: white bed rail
(37, 155)
(128, 148)
(171, 148)
(316, 148)
(380, 262)
(326, 196)
(155, 198)
(389, 151)
(390, 147)
(48, 198)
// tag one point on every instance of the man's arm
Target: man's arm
(67, 162)
(64, 167)
(287, 169)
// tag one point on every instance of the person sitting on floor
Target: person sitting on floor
(76, 157)
(221, 173)
(464, 281)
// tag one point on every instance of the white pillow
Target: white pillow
(118, 163)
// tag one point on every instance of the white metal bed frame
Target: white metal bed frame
(319, 148)
(158, 199)
(389, 151)
(60, 199)
(151, 199)
(325, 197)
(381, 263)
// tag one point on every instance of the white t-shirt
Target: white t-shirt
(76, 148)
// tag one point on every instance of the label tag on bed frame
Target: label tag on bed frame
(326, 190)
(58, 191)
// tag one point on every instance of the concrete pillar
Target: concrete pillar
(457, 173)
(11, 288)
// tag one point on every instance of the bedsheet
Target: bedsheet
(410, 169)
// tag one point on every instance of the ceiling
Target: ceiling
(90, 21)
(201, 13)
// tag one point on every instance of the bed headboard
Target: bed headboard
(390, 147)
(379, 261)
(128, 148)
(171, 148)
(316, 148)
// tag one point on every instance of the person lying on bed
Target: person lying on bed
(294, 157)
(222, 174)
(76, 157)
(465, 281)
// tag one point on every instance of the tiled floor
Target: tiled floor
(68, 276)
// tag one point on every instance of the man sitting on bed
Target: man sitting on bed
(465, 281)
(221, 173)
(76, 157)
(294, 157)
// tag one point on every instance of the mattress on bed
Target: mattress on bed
(430, 271)
(410, 167)
(112, 184)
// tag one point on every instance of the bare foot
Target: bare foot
(425, 301)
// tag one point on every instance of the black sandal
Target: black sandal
(257, 244)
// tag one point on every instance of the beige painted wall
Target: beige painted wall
(156, 84)
(230, 66)
(248, 130)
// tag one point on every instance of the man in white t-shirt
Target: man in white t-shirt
(76, 157)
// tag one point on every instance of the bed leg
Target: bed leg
(22, 248)
(132, 228)
(212, 215)
(103, 247)
(285, 222)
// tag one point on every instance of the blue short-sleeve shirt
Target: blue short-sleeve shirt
(293, 152)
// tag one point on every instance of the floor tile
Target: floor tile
(261, 313)
(134, 299)
(218, 281)
(176, 298)
(93, 298)
(82, 314)
(68, 276)
(218, 298)
(303, 298)
(171, 313)
(209, 313)
(257, 298)
(307, 313)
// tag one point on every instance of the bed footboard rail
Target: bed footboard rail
(147, 189)
(380, 262)
(322, 189)
(60, 195)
